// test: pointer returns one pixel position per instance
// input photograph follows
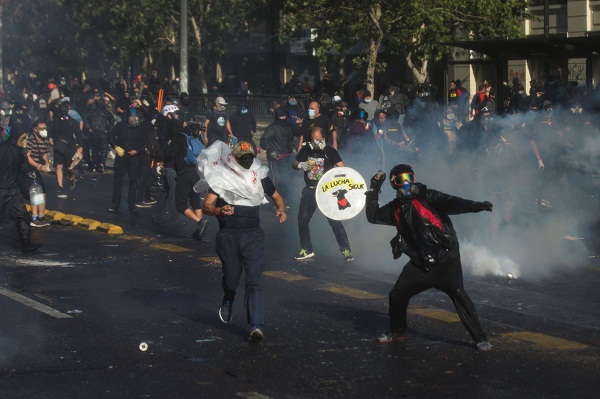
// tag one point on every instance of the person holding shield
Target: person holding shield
(315, 158)
(426, 235)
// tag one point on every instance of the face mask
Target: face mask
(367, 100)
(318, 144)
(43, 133)
(244, 110)
(293, 102)
(245, 162)
(450, 116)
(311, 113)
(220, 108)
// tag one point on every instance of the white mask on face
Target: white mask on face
(43, 133)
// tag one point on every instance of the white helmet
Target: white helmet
(168, 109)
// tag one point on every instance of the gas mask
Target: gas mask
(402, 179)
(245, 161)
(318, 144)
(133, 121)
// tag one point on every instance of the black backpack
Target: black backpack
(99, 123)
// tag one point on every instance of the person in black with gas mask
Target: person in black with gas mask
(427, 237)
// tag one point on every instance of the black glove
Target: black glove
(483, 206)
(377, 181)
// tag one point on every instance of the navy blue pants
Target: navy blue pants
(243, 250)
(446, 277)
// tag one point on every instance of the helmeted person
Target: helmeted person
(218, 126)
(168, 125)
(13, 164)
(187, 201)
(426, 235)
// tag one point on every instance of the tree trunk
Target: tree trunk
(198, 44)
(374, 46)
(420, 73)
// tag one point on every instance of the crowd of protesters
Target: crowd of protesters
(549, 128)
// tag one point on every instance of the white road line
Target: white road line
(6, 261)
(33, 304)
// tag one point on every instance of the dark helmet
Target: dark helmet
(63, 109)
(486, 110)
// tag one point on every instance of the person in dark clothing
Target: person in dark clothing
(98, 122)
(243, 125)
(240, 242)
(426, 235)
(218, 126)
(278, 142)
(128, 140)
(13, 164)
(316, 158)
(187, 201)
(168, 125)
(66, 138)
(317, 119)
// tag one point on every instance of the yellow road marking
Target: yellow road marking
(546, 340)
(211, 259)
(437, 314)
(135, 238)
(285, 276)
(171, 248)
(351, 292)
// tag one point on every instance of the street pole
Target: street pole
(183, 52)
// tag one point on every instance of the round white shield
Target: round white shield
(341, 193)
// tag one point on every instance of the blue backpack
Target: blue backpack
(194, 148)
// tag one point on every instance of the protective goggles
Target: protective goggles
(399, 179)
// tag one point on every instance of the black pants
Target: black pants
(13, 205)
(144, 192)
(99, 146)
(185, 196)
(130, 166)
(308, 206)
(446, 277)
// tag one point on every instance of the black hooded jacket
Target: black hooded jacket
(278, 138)
(425, 232)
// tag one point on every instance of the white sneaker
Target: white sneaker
(304, 254)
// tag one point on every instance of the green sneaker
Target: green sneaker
(304, 254)
(347, 255)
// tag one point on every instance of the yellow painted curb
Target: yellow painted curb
(72, 219)
(54, 216)
(88, 224)
(109, 228)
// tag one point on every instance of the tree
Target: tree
(414, 29)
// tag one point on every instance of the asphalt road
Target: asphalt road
(76, 312)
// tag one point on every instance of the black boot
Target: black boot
(28, 246)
